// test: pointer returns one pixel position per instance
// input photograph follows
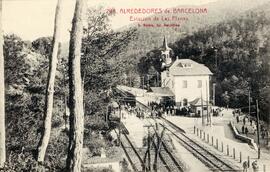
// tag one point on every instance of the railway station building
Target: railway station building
(187, 80)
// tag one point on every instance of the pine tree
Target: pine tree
(50, 86)
(74, 157)
(2, 97)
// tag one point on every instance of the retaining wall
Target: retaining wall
(243, 138)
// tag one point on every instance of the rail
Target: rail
(208, 158)
(131, 153)
(168, 154)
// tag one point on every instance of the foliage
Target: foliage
(151, 37)
(26, 72)
(22, 102)
(102, 68)
(236, 51)
(25, 76)
(43, 45)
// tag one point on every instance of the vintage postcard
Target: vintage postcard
(135, 85)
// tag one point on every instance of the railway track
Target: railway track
(131, 153)
(212, 161)
(169, 160)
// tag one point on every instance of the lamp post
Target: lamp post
(249, 102)
(119, 127)
(258, 130)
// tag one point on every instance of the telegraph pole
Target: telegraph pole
(216, 58)
(206, 97)
(157, 80)
(258, 130)
(143, 82)
(149, 154)
(214, 94)
(107, 114)
(148, 82)
(249, 102)
(203, 120)
(119, 126)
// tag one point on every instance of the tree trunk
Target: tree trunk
(2, 97)
(50, 86)
(76, 118)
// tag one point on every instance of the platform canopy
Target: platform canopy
(162, 91)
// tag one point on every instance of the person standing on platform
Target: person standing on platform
(246, 130)
(237, 119)
(254, 129)
(245, 166)
(243, 129)
(255, 166)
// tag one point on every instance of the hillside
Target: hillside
(150, 38)
(222, 10)
(236, 51)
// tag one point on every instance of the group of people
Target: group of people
(157, 109)
(162, 108)
(152, 110)
(139, 112)
(252, 127)
(245, 129)
(254, 164)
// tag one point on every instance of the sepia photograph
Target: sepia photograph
(135, 86)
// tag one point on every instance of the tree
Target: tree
(43, 45)
(25, 92)
(235, 51)
(2, 98)
(76, 118)
(101, 48)
(50, 86)
(103, 62)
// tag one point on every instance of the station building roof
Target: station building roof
(188, 67)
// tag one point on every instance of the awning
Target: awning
(198, 102)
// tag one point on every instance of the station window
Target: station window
(185, 102)
(199, 83)
(184, 83)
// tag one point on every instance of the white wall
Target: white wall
(166, 81)
(192, 91)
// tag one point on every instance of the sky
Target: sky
(31, 19)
